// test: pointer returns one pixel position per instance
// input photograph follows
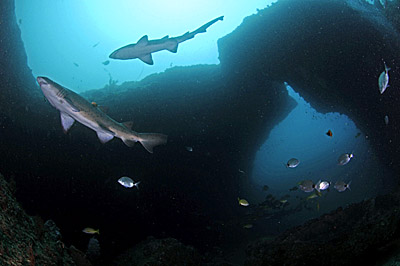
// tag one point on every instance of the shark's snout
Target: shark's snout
(41, 81)
(112, 55)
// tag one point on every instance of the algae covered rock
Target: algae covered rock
(26, 240)
(168, 251)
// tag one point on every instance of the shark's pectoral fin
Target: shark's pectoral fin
(165, 37)
(66, 121)
(104, 137)
(147, 59)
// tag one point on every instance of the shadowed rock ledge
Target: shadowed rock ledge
(365, 233)
(26, 240)
(331, 52)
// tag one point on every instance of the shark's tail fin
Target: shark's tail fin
(205, 26)
(150, 140)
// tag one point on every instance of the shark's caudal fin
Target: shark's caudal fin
(150, 140)
(205, 26)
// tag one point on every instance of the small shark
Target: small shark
(144, 48)
(73, 107)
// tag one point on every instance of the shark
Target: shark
(74, 107)
(145, 47)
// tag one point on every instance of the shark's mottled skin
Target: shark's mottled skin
(73, 107)
(144, 48)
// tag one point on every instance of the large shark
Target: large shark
(73, 107)
(144, 48)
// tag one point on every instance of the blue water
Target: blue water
(81, 35)
(302, 135)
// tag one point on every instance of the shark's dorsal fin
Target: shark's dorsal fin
(165, 37)
(147, 59)
(143, 41)
(128, 124)
(66, 121)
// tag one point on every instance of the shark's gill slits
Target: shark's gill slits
(62, 93)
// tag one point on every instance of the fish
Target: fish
(265, 188)
(292, 163)
(324, 185)
(345, 158)
(91, 231)
(329, 133)
(106, 62)
(312, 196)
(76, 64)
(74, 107)
(243, 202)
(94, 45)
(342, 186)
(247, 226)
(283, 201)
(145, 47)
(189, 148)
(383, 80)
(357, 135)
(386, 120)
(294, 188)
(128, 182)
(94, 104)
(309, 186)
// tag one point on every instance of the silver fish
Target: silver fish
(383, 80)
(345, 158)
(73, 107)
(386, 120)
(324, 185)
(309, 186)
(189, 148)
(342, 186)
(292, 163)
(128, 182)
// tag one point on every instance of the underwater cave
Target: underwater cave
(294, 79)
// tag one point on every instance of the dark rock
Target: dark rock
(359, 234)
(79, 257)
(16, 79)
(160, 252)
(21, 242)
(52, 230)
(93, 251)
(331, 53)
